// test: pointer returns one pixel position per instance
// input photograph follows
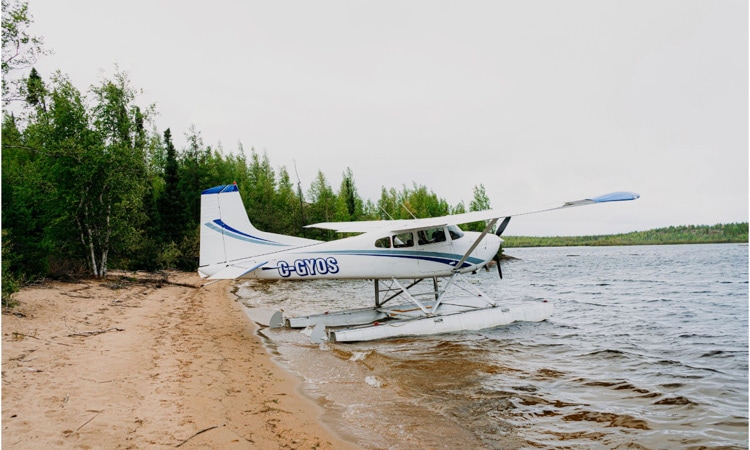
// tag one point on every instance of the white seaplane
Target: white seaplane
(396, 254)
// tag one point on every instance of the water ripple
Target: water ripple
(648, 348)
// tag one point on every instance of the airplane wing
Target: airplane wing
(458, 219)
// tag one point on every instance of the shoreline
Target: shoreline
(132, 361)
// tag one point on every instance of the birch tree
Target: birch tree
(110, 210)
(94, 166)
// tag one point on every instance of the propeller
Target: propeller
(502, 226)
(499, 231)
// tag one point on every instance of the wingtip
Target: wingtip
(620, 196)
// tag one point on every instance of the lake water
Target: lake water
(647, 348)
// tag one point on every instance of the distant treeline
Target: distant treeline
(690, 234)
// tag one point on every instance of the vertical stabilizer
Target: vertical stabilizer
(226, 234)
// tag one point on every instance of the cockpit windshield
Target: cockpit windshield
(455, 232)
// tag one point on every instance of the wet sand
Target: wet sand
(141, 363)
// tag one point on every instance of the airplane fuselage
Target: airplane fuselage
(409, 254)
(231, 247)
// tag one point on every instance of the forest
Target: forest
(86, 186)
(89, 183)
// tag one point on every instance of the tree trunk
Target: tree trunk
(105, 244)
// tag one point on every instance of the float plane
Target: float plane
(396, 254)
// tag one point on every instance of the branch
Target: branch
(17, 334)
(196, 434)
(94, 333)
(86, 423)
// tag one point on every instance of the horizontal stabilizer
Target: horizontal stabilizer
(232, 272)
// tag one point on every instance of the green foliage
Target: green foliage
(23, 202)
(690, 234)
(169, 256)
(86, 186)
(287, 206)
(9, 282)
(480, 202)
(417, 201)
(20, 49)
(170, 205)
(349, 205)
(322, 206)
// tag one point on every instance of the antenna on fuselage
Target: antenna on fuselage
(386, 213)
(299, 194)
(407, 210)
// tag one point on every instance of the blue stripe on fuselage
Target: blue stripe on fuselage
(450, 259)
(221, 227)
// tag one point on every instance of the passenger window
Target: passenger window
(383, 242)
(403, 240)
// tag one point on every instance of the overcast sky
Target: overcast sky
(540, 101)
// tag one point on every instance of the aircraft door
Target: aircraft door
(434, 246)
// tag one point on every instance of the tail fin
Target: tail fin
(227, 234)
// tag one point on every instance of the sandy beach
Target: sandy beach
(146, 362)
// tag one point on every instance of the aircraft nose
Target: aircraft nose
(489, 246)
(494, 242)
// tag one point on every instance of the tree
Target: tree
(20, 49)
(349, 205)
(36, 91)
(110, 211)
(422, 202)
(287, 206)
(460, 208)
(480, 202)
(24, 218)
(63, 145)
(322, 202)
(93, 166)
(171, 211)
(9, 282)
(388, 204)
(261, 191)
(191, 175)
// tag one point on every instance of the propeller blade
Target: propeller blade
(502, 226)
(499, 269)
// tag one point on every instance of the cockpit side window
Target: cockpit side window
(383, 242)
(402, 240)
(431, 236)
